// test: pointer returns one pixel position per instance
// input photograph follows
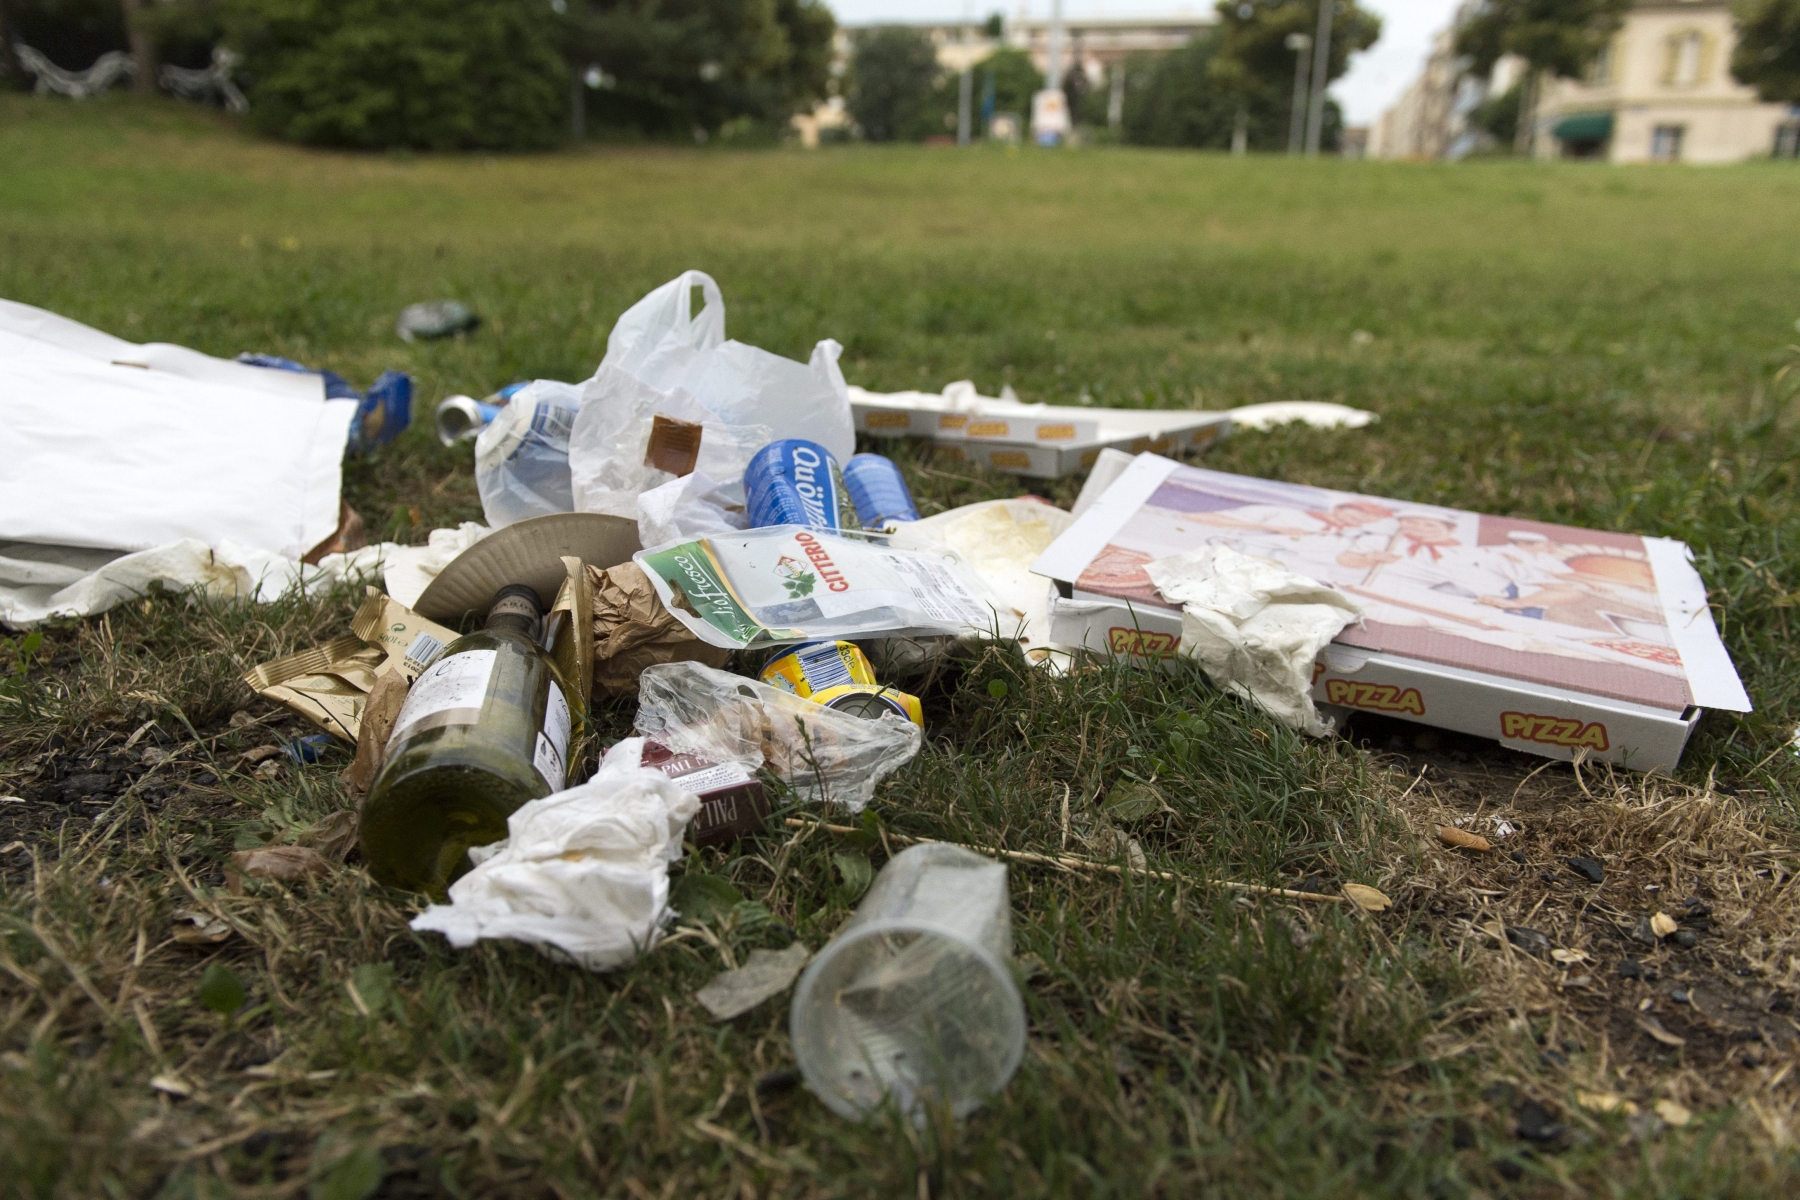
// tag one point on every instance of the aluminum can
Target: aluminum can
(879, 491)
(839, 675)
(797, 482)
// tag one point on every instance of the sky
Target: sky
(1376, 78)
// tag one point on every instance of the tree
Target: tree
(430, 74)
(1193, 96)
(1016, 81)
(1768, 50)
(892, 75)
(680, 65)
(1254, 61)
(1554, 37)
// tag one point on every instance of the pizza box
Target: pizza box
(1038, 440)
(1559, 641)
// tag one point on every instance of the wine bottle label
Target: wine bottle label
(551, 757)
(449, 693)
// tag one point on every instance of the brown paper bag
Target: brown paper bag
(632, 630)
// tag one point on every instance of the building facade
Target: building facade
(1662, 91)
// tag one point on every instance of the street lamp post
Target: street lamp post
(1299, 43)
(1315, 117)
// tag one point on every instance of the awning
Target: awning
(1585, 127)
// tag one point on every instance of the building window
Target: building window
(1665, 143)
(1600, 74)
(1787, 140)
(1689, 59)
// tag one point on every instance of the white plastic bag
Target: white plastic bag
(821, 753)
(690, 507)
(792, 583)
(522, 457)
(583, 874)
(663, 342)
(611, 436)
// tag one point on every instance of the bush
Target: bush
(427, 74)
(893, 75)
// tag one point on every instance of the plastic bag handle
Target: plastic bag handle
(713, 305)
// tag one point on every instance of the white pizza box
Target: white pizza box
(1538, 719)
(1038, 440)
(1556, 640)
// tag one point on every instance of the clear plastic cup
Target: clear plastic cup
(915, 996)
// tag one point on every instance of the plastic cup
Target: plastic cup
(915, 996)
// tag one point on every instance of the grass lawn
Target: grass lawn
(1574, 343)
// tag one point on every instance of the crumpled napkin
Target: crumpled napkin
(1255, 627)
(582, 875)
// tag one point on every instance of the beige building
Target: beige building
(1663, 92)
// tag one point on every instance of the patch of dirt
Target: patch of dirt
(1701, 1007)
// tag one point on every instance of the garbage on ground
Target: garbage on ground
(1255, 627)
(117, 448)
(821, 753)
(839, 676)
(522, 455)
(435, 319)
(1036, 440)
(689, 506)
(999, 540)
(330, 685)
(664, 344)
(485, 728)
(382, 413)
(797, 482)
(1317, 413)
(790, 583)
(283, 864)
(767, 973)
(583, 874)
(914, 998)
(632, 630)
(1554, 640)
(879, 491)
(530, 552)
(375, 726)
(615, 448)
(733, 801)
(462, 418)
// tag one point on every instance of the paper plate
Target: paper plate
(529, 552)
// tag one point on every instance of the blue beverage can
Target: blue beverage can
(879, 491)
(797, 482)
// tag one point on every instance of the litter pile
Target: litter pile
(698, 505)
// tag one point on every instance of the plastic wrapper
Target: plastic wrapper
(632, 630)
(612, 458)
(789, 583)
(522, 457)
(819, 752)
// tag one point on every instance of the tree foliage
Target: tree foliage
(893, 75)
(1768, 49)
(680, 65)
(430, 74)
(1192, 96)
(1561, 37)
(70, 33)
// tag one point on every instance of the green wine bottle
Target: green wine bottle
(483, 730)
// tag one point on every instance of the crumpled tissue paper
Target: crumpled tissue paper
(1255, 627)
(582, 875)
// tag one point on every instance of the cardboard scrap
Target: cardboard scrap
(632, 630)
(380, 711)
